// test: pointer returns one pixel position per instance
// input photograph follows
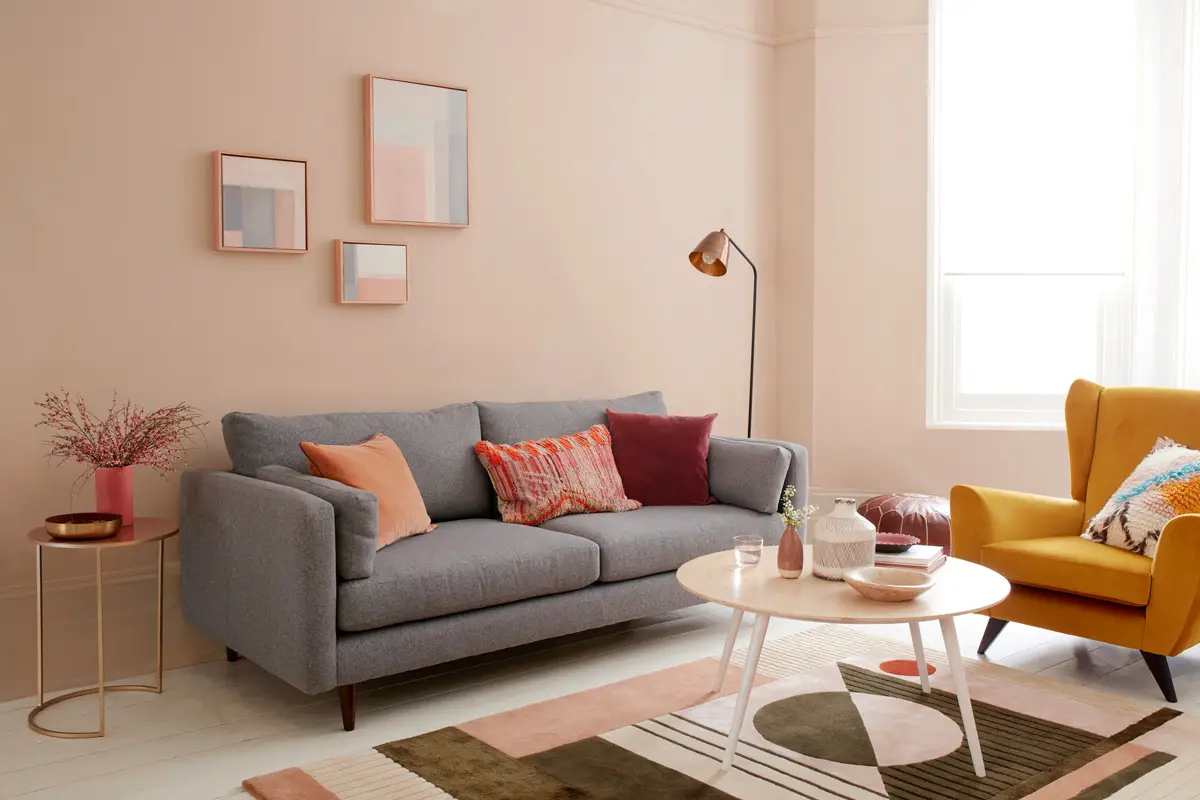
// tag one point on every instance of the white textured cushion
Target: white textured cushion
(1165, 485)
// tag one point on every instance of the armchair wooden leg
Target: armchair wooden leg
(994, 626)
(348, 697)
(1160, 668)
(231, 655)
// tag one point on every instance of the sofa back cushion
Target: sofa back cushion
(439, 446)
(509, 423)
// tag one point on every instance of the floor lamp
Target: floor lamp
(710, 257)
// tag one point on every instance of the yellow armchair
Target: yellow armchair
(1065, 583)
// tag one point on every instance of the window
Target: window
(1062, 240)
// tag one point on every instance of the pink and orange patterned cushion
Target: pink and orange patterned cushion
(542, 479)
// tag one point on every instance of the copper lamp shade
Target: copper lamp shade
(712, 254)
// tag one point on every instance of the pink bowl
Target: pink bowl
(894, 542)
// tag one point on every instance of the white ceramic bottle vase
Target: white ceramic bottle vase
(842, 540)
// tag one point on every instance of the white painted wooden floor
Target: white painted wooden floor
(218, 723)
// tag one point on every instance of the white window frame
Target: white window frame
(1141, 317)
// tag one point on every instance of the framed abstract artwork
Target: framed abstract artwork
(371, 272)
(261, 203)
(416, 153)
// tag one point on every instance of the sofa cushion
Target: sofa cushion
(657, 539)
(748, 474)
(376, 466)
(541, 479)
(663, 460)
(355, 517)
(1074, 565)
(464, 565)
(797, 471)
(508, 423)
(439, 446)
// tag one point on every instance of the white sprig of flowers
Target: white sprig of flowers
(795, 517)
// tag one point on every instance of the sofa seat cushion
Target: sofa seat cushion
(464, 565)
(657, 539)
(1074, 565)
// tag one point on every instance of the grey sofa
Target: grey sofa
(281, 567)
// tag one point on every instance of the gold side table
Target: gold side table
(145, 530)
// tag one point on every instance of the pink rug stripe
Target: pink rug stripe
(287, 784)
(553, 723)
(1091, 773)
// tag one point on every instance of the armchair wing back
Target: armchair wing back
(1110, 431)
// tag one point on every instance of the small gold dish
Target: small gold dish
(90, 525)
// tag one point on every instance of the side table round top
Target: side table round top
(962, 588)
(142, 531)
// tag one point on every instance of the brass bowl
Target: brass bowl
(90, 525)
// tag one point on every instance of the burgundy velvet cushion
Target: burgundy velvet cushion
(663, 461)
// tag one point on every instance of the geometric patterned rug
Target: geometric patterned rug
(835, 714)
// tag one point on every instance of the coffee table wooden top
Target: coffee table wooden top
(962, 588)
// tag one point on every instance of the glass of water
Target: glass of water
(747, 550)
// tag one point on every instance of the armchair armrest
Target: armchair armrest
(981, 516)
(258, 573)
(727, 455)
(1173, 615)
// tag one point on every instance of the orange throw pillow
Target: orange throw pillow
(376, 466)
(546, 478)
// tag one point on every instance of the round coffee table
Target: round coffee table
(962, 588)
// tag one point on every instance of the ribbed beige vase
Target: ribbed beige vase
(791, 554)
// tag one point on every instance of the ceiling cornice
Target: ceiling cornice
(809, 35)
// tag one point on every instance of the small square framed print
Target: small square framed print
(371, 272)
(261, 203)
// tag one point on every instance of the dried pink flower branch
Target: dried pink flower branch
(127, 436)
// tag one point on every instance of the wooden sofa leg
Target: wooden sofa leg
(1160, 668)
(231, 655)
(348, 697)
(994, 626)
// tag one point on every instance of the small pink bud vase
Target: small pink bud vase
(791, 554)
(114, 492)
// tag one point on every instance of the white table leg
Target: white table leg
(730, 641)
(950, 637)
(919, 649)
(739, 710)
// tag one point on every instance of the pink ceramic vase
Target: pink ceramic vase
(791, 554)
(114, 492)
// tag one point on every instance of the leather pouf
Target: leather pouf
(922, 515)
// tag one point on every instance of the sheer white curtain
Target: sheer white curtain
(1061, 135)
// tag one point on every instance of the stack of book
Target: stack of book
(921, 557)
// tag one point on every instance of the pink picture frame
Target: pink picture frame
(371, 273)
(260, 203)
(417, 153)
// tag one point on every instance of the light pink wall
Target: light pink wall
(869, 274)
(794, 87)
(604, 144)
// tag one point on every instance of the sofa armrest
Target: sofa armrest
(797, 466)
(355, 518)
(1173, 614)
(258, 573)
(981, 516)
